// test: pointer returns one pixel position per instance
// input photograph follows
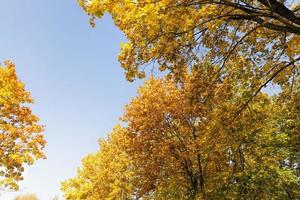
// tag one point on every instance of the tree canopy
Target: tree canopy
(174, 136)
(175, 35)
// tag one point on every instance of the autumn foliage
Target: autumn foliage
(183, 141)
(21, 139)
(174, 34)
(206, 130)
(106, 174)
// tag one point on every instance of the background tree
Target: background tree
(26, 197)
(21, 139)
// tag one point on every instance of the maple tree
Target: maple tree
(185, 133)
(21, 139)
(174, 134)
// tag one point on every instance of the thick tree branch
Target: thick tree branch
(281, 9)
(265, 84)
(265, 24)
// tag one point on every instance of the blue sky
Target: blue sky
(73, 74)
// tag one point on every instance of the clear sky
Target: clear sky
(73, 74)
